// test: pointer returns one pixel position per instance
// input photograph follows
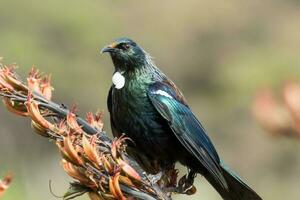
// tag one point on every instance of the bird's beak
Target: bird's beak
(109, 48)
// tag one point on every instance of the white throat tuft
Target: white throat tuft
(118, 80)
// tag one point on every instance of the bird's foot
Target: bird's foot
(153, 179)
(185, 185)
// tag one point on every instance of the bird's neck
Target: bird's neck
(144, 74)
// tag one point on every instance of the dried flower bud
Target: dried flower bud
(128, 170)
(34, 80)
(95, 121)
(11, 79)
(114, 187)
(14, 108)
(72, 123)
(35, 114)
(3, 83)
(90, 150)
(75, 173)
(46, 87)
(70, 151)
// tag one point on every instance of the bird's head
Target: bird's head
(126, 54)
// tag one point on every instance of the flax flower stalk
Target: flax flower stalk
(99, 165)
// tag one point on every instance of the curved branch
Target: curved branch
(96, 162)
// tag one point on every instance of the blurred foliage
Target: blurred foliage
(218, 52)
(5, 183)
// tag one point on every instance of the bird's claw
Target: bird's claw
(153, 179)
(185, 185)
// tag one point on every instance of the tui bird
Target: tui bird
(149, 108)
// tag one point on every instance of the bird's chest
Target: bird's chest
(134, 115)
(130, 105)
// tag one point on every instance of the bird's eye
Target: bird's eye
(125, 46)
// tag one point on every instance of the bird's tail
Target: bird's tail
(237, 189)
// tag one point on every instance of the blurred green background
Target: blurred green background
(218, 52)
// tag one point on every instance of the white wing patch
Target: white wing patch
(163, 93)
(118, 80)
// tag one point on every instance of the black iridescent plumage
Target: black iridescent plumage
(152, 111)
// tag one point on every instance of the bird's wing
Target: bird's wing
(186, 127)
(114, 130)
